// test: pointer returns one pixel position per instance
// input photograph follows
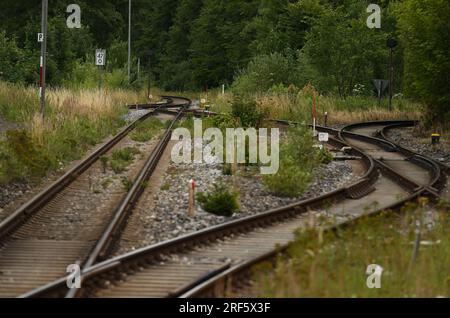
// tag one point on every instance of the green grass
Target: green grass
(122, 158)
(147, 130)
(335, 266)
(297, 106)
(74, 122)
(298, 160)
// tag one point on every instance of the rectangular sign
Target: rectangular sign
(323, 137)
(100, 57)
(40, 37)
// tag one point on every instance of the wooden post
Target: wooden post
(191, 210)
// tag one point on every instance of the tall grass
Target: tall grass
(74, 121)
(298, 106)
(332, 265)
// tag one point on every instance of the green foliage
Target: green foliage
(147, 130)
(248, 113)
(340, 50)
(224, 121)
(298, 158)
(15, 63)
(265, 71)
(333, 265)
(121, 159)
(424, 28)
(220, 202)
(23, 157)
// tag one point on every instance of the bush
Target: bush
(265, 71)
(220, 202)
(298, 158)
(248, 113)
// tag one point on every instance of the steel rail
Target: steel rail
(112, 232)
(154, 252)
(13, 221)
(21, 216)
(222, 283)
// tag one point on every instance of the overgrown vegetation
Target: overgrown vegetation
(74, 122)
(221, 201)
(122, 158)
(298, 159)
(254, 46)
(334, 264)
(147, 130)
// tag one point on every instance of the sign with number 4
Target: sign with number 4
(100, 57)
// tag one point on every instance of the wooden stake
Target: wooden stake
(191, 211)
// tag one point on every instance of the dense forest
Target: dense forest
(251, 45)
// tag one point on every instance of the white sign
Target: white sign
(203, 101)
(40, 37)
(323, 137)
(100, 57)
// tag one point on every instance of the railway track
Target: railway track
(206, 263)
(59, 226)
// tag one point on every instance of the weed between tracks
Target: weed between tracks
(122, 158)
(147, 130)
(336, 267)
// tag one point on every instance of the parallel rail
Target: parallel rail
(118, 270)
(111, 233)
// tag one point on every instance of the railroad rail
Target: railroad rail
(36, 248)
(205, 263)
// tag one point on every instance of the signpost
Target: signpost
(42, 38)
(391, 43)
(100, 61)
(381, 86)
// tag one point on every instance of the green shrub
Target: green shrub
(23, 158)
(265, 71)
(220, 202)
(298, 158)
(324, 156)
(248, 113)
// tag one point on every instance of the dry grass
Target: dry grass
(298, 106)
(74, 122)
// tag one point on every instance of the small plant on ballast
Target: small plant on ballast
(221, 201)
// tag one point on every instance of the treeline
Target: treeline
(251, 45)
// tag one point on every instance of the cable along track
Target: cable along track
(59, 227)
(176, 267)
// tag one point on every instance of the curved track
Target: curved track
(60, 227)
(203, 263)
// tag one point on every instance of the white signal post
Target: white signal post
(100, 61)
(42, 38)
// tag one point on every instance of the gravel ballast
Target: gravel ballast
(169, 218)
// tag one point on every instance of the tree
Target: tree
(424, 28)
(341, 49)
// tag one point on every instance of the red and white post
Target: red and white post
(43, 55)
